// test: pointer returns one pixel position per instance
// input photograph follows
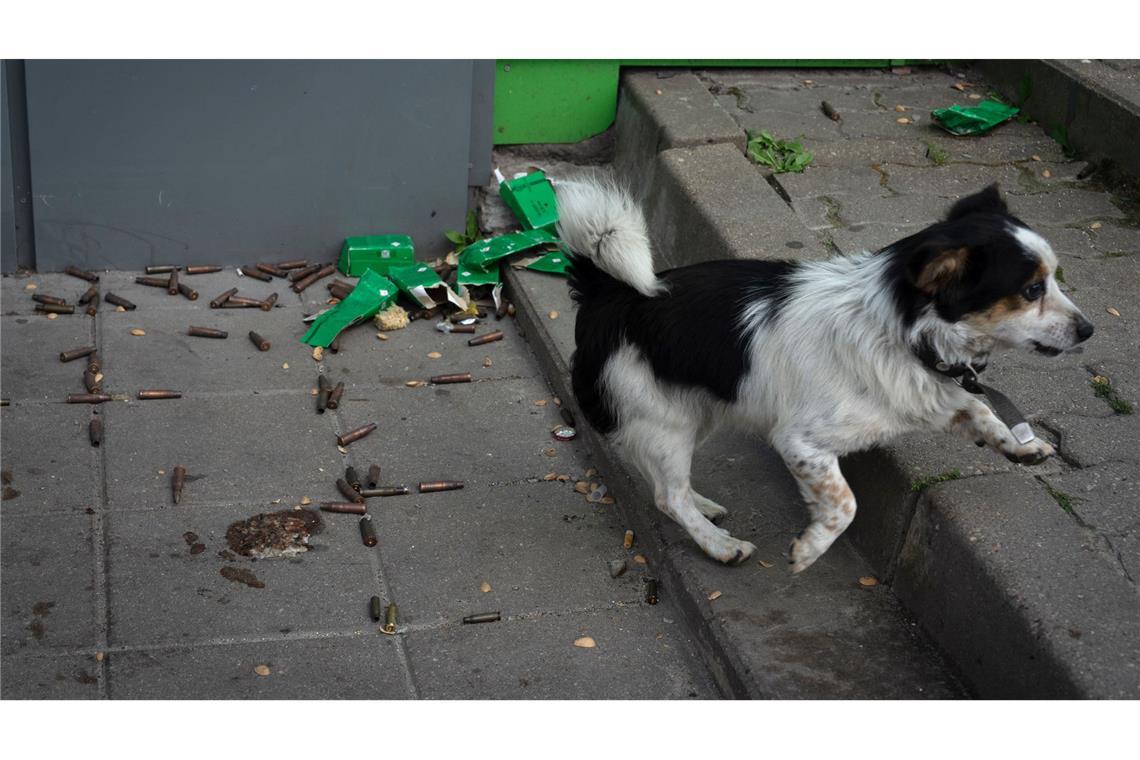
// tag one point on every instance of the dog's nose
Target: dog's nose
(1084, 329)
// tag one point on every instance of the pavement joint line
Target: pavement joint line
(267, 638)
(100, 549)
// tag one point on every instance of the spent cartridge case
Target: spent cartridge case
(172, 284)
(367, 531)
(348, 491)
(203, 269)
(255, 273)
(390, 619)
(650, 590)
(373, 475)
(303, 272)
(92, 308)
(369, 493)
(91, 294)
(261, 343)
(356, 434)
(241, 302)
(293, 264)
(146, 395)
(470, 329)
(345, 508)
(324, 271)
(490, 337)
(206, 332)
(441, 485)
(375, 608)
(217, 302)
(339, 292)
(54, 308)
(460, 377)
(335, 345)
(270, 269)
(501, 309)
(91, 382)
(153, 282)
(77, 272)
(335, 394)
(482, 617)
(76, 353)
(322, 393)
(188, 291)
(267, 304)
(95, 431)
(88, 398)
(119, 301)
(161, 269)
(94, 363)
(627, 542)
(177, 481)
(352, 478)
(45, 298)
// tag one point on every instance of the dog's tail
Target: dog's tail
(600, 222)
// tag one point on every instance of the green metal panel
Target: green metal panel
(553, 101)
(547, 101)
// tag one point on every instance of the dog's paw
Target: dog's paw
(709, 508)
(801, 554)
(729, 550)
(1034, 452)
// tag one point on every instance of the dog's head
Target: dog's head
(987, 274)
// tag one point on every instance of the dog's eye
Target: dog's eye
(1034, 291)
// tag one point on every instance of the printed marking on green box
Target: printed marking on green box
(372, 293)
(376, 252)
(973, 120)
(531, 198)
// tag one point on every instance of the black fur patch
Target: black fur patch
(997, 265)
(691, 336)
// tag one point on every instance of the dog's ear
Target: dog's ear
(988, 201)
(940, 268)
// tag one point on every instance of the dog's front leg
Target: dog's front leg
(975, 420)
(829, 500)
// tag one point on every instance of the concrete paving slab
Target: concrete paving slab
(485, 432)
(361, 666)
(1059, 622)
(166, 357)
(634, 658)
(48, 582)
(55, 676)
(164, 591)
(31, 369)
(541, 546)
(1089, 441)
(16, 297)
(247, 449)
(367, 361)
(47, 452)
(208, 286)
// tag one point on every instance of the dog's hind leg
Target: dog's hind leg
(708, 507)
(829, 500)
(664, 455)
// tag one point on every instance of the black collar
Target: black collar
(967, 371)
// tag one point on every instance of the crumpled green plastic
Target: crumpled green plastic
(973, 120)
(482, 253)
(554, 262)
(372, 293)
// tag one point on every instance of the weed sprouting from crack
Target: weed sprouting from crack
(921, 484)
(1064, 500)
(937, 155)
(1102, 387)
(832, 214)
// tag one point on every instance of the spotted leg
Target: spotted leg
(829, 500)
(975, 420)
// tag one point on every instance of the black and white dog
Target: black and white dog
(822, 358)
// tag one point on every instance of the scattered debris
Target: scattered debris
(714, 596)
(640, 559)
(177, 481)
(618, 567)
(585, 642)
(650, 589)
(973, 120)
(553, 315)
(277, 534)
(138, 332)
(482, 617)
(440, 485)
(765, 564)
(627, 542)
(460, 377)
(1113, 311)
(375, 608)
(434, 355)
(241, 575)
(485, 587)
(868, 580)
(829, 111)
(262, 670)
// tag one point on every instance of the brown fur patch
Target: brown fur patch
(942, 269)
(961, 417)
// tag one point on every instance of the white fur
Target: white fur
(601, 220)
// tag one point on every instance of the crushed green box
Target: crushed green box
(376, 252)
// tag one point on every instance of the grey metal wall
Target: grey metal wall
(140, 162)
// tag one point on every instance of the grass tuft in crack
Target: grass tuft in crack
(921, 484)
(1064, 500)
(1102, 387)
